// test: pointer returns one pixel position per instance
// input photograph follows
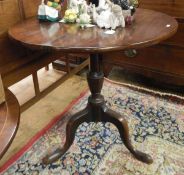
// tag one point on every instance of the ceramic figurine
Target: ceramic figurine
(55, 5)
(123, 3)
(129, 8)
(102, 5)
(83, 8)
(104, 19)
(126, 5)
(77, 12)
(106, 15)
(134, 3)
(75, 5)
(49, 10)
(70, 16)
(118, 13)
(110, 18)
(83, 20)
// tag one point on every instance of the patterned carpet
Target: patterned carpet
(156, 127)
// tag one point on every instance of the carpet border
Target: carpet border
(22, 150)
(165, 95)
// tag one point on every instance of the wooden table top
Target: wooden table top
(9, 120)
(149, 28)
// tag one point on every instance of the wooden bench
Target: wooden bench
(17, 62)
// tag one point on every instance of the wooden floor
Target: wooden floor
(24, 90)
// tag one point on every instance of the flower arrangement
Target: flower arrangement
(70, 16)
(77, 12)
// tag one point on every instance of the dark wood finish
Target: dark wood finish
(171, 7)
(152, 60)
(148, 29)
(66, 37)
(54, 85)
(69, 62)
(177, 39)
(7, 19)
(163, 63)
(17, 62)
(22, 71)
(96, 111)
(9, 121)
(29, 8)
(36, 83)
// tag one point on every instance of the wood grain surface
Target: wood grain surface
(2, 96)
(9, 121)
(149, 28)
(171, 7)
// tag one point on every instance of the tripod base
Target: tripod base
(97, 111)
(106, 115)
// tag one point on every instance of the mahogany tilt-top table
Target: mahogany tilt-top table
(149, 28)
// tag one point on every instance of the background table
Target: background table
(149, 28)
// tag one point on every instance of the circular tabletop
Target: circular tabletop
(9, 121)
(149, 28)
